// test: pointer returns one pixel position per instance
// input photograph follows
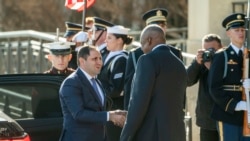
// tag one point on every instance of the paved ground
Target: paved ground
(191, 103)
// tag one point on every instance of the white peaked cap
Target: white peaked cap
(80, 37)
(118, 29)
(60, 47)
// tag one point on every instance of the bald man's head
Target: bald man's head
(151, 36)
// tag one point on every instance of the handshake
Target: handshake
(118, 117)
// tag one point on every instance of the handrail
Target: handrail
(29, 33)
(24, 51)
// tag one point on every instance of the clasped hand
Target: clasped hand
(118, 117)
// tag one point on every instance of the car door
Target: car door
(33, 101)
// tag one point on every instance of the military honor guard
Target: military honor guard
(225, 84)
(112, 72)
(71, 30)
(80, 39)
(60, 55)
(98, 35)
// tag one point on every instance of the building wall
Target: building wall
(204, 17)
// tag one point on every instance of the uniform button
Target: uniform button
(232, 69)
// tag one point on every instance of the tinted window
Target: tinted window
(30, 101)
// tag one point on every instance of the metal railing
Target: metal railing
(25, 52)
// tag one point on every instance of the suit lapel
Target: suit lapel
(88, 85)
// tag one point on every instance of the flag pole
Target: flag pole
(84, 14)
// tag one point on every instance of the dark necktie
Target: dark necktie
(96, 89)
(240, 54)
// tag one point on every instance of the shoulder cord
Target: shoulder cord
(115, 59)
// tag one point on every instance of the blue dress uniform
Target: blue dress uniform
(225, 86)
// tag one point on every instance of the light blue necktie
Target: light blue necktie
(96, 89)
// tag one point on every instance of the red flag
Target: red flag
(78, 4)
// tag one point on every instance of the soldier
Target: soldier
(80, 39)
(112, 72)
(60, 55)
(225, 84)
(71, 30)
(155, 16)
(99, 32)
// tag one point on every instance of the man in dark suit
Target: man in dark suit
(155, 111)
(83, 101)
(155, 16)
(225, 84)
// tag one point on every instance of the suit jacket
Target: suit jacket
(155, 111)
(83, 114)
(226, 101)
(130, 70)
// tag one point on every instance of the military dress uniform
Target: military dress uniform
(71, 30)
(101, 25)
(224, 80)
(112, 79)
(53, 70)
(60, 48)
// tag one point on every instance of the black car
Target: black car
(10, 130)
(33, 101)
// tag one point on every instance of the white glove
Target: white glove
(241, 106)
(246, 84)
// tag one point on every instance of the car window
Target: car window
(30, 100)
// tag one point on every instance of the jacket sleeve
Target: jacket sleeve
(141, 96)
(193, 72)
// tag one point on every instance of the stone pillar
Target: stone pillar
(204, 17)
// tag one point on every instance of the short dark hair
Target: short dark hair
(212, 37)
(84, 52)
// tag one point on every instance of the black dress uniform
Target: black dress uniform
(225, 83)
(101, 25)
(154, 16)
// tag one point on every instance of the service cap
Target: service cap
(234, 21)
(80, 37)
(101, 24)
(118, 29)
(72, 28)
(155, 15)
(60, 48)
